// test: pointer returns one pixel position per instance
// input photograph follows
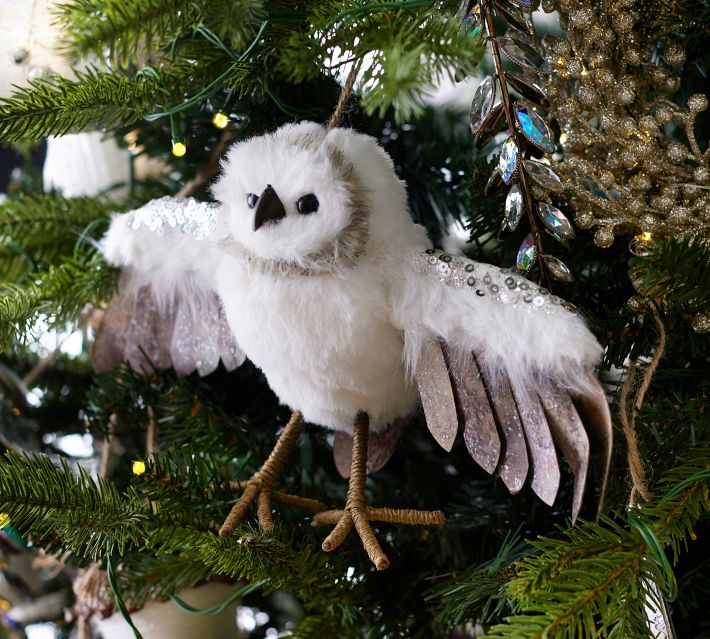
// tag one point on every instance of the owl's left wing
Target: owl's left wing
(166, 312)
(508, 363)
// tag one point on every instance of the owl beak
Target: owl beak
(269, 209)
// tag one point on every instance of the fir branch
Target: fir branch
(409, 45)
(57, 105)
(595, 581)
(677, 272)
(60, 292)
(480, 592)
(143, 577)
(131, 29)
(37, 230)
(299, 567)
(89, 517)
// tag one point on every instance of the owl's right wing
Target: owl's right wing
(166, 312)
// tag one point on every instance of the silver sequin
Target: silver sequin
(188, 214)
(505, 285)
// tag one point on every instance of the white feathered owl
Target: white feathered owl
(312, 267)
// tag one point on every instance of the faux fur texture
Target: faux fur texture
(331, 305)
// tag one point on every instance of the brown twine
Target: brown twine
(150, 434)
(345, 93)
(358, 514)
(106, 450)
(261, 485)
(639, 488)
(286, 499)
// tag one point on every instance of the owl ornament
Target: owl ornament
(312, 268)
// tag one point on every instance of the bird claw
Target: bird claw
(357, 513)
(261, 485)
(361, 516)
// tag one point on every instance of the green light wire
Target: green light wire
(213, 86)
(680, 486)
(119, 600)
(211, 612)
(374, 8)
(669, 589)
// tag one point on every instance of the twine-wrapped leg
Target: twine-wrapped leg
(261, 485)
(358, 514)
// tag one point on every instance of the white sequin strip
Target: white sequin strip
(188, 214)
(504, 285)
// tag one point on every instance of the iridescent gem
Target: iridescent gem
(534, 128)
(522, 53)
(474, 22)
(555, 220)
(526, 254)
(523, 4)
(513, 207)
(508, 161)
(543, 176)
(558, 269)
(482, 103)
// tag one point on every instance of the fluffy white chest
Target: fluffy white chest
(325, 343)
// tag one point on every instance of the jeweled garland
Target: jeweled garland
(531, 178)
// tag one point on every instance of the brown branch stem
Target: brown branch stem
(508, 108)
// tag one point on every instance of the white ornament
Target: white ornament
(331, 289)
(30, 35)
(165, 620)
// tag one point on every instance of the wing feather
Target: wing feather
(475, 413)
(166, 312)
(528, 386)
(436, 394)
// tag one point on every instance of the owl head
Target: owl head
(311, 197)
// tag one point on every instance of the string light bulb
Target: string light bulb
(220, 120)
(4, 520)
(138, 467)
(179, 149)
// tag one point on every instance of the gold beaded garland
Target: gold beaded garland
(618, 64)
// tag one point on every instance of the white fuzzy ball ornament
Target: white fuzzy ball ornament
(312, 267)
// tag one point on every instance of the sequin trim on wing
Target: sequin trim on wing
(189, 215)
(505, 285)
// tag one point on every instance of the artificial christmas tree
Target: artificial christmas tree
(178, 83)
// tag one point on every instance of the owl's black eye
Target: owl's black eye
(252, 199)
(307, 204)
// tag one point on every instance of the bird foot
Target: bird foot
(261, 486)
(361, 516)
(358, 514)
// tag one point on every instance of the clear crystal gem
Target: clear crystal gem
(526, 254)
(513, 207)
(508, 161)
(558, 269)
(523, 54)
(555, 220)
(494, 182)
(527, 88)
(534, 128)
(482, 103)
(543, 176)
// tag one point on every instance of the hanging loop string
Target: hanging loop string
(639, 489)
(345, 93)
